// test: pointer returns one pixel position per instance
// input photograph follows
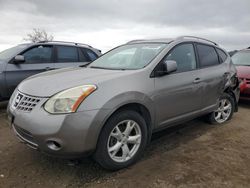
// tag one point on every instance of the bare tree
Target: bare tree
(38, 35)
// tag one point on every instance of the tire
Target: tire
(115, 159)
(226, 115)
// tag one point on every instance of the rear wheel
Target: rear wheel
(122, 140)
(225, 110)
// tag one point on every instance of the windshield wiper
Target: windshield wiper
(85, 64)
(95, 67)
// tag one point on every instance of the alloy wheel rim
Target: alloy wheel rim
(223, 112)
(124, 141)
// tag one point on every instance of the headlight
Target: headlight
(69, 100)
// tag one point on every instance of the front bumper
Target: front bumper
(75, 133)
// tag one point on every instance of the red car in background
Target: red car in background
(241, 59)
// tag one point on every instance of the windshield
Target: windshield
(11, 52)
(241, 58)
(129, 57)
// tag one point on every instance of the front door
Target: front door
(178, 93)
(37, 59)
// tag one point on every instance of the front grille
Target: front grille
(24, 102)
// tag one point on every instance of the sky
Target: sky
(105, 24)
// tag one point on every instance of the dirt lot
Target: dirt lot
(195, 154)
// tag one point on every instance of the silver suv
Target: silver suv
(110, 108)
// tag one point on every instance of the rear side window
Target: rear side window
(222, 55)
(184, 56)
(38, 54)
(67, 54)
(92, 56)
(83, 57)
(207, 55)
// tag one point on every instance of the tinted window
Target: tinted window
(207, 55)
(39, 54)
(67, 54)
(222, 55)
(92, 55)
(83, 57)
(184, 56)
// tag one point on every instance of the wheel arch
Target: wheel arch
(137, 107)
(230, 91)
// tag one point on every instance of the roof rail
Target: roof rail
(199, 38)
(137, 40)
(65, 42)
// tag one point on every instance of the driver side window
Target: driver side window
(38, 54)
(184, 56)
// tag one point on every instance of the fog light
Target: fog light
(53, 145)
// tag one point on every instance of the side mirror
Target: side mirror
(165, 67)
(19, 59)
(170, 66)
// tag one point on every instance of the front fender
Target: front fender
(130, 98)
(112, 106)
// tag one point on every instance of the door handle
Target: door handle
(197, 80)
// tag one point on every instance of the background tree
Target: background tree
(38, 35)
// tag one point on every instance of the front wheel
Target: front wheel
(225, 110)
(122, 140)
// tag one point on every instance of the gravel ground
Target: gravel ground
(194, 154)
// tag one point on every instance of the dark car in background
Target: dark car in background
(242, 61)
(25, 60)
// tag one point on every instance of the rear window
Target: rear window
(67, 54)
(222, 55)
(207, 55)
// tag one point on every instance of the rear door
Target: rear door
(211, 74)
(37, 59)
(69, 56)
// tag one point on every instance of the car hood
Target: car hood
(243, 71)
(49, 83)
